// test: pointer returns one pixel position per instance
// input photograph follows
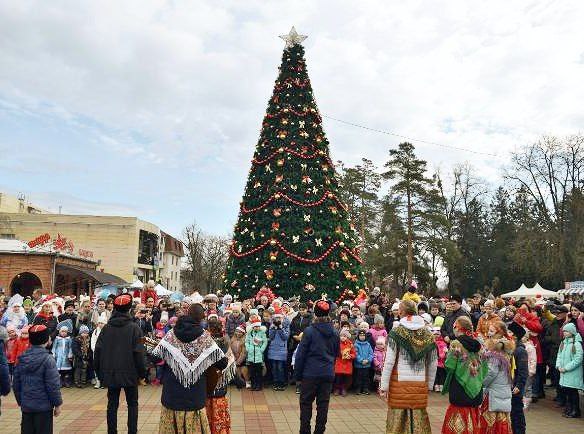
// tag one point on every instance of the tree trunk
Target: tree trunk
(410, 247)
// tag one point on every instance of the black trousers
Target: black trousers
(361, 379)
(517, 414)
(311, 389)
(37, 423)
(572, 400)
(113, 402)
(255, 375)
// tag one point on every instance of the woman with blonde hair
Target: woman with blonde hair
(496, 406)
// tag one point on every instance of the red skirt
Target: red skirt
(461, 420)
(494, 422)
(218, 415)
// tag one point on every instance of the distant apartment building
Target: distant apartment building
(171, 258)
(17, 205)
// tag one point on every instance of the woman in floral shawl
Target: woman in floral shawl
(188, 352)
(465, 373)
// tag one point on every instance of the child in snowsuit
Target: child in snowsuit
(63, 352)
(81, 349)
(363, 359)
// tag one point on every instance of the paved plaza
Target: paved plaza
(264, 412)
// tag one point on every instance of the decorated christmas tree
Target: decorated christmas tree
(293, 234)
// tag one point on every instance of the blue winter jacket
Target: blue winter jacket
(36, 382)
(317, 351)
(278, 342)
(364, 352)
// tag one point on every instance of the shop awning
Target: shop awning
(99, 276)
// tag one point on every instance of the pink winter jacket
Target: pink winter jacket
(442, 349)
(378, 358)
(375, 333)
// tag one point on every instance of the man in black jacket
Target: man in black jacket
(455, 310)
(315, 367)
(119, 362)
(299, 323)
(519, 379)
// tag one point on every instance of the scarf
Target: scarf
(188, 360)
(468, 368)
(416, 343)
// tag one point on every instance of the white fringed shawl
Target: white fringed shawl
(188, 360)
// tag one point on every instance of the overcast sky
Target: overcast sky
(153, 108)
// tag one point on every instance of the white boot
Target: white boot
(96, 384)
(248, 384)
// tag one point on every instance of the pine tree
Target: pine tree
(293, 233)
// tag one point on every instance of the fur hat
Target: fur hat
(83, 329)
(322, 308)
(516, 329)
(345, 333)
(38, 334)
(363, 326)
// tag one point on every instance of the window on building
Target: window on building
(7, 237)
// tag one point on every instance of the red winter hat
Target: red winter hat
(122, 303)
(240, 328)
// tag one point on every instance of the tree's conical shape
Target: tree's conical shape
(293, 233)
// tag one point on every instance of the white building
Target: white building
(171, 254)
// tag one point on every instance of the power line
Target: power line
(411, 139)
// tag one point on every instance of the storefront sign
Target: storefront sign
(60, 243)
(85, 253)
(41, 240)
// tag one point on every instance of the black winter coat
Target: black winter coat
(119, 352)
(174, 395)
(297, 326)
(447, 328)
(521, 368)
(4, 375)
(551, 341)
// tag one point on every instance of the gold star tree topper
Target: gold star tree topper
(293, 38)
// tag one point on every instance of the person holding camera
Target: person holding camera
(278, 350)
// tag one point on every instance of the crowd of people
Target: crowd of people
(494, 358)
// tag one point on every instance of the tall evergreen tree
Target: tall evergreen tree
(293, 233)
(408, 174)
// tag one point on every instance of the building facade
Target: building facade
(170, 260)
(24, 269)
(18, 205)
(123, 246)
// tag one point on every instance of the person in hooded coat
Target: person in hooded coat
(185, 374)
(315, 367)
(569, 363)
(408, 373)
(465, 374)
(123, 367)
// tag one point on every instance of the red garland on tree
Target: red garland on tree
(293, 232)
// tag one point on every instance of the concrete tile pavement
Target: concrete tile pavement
(266, 412)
